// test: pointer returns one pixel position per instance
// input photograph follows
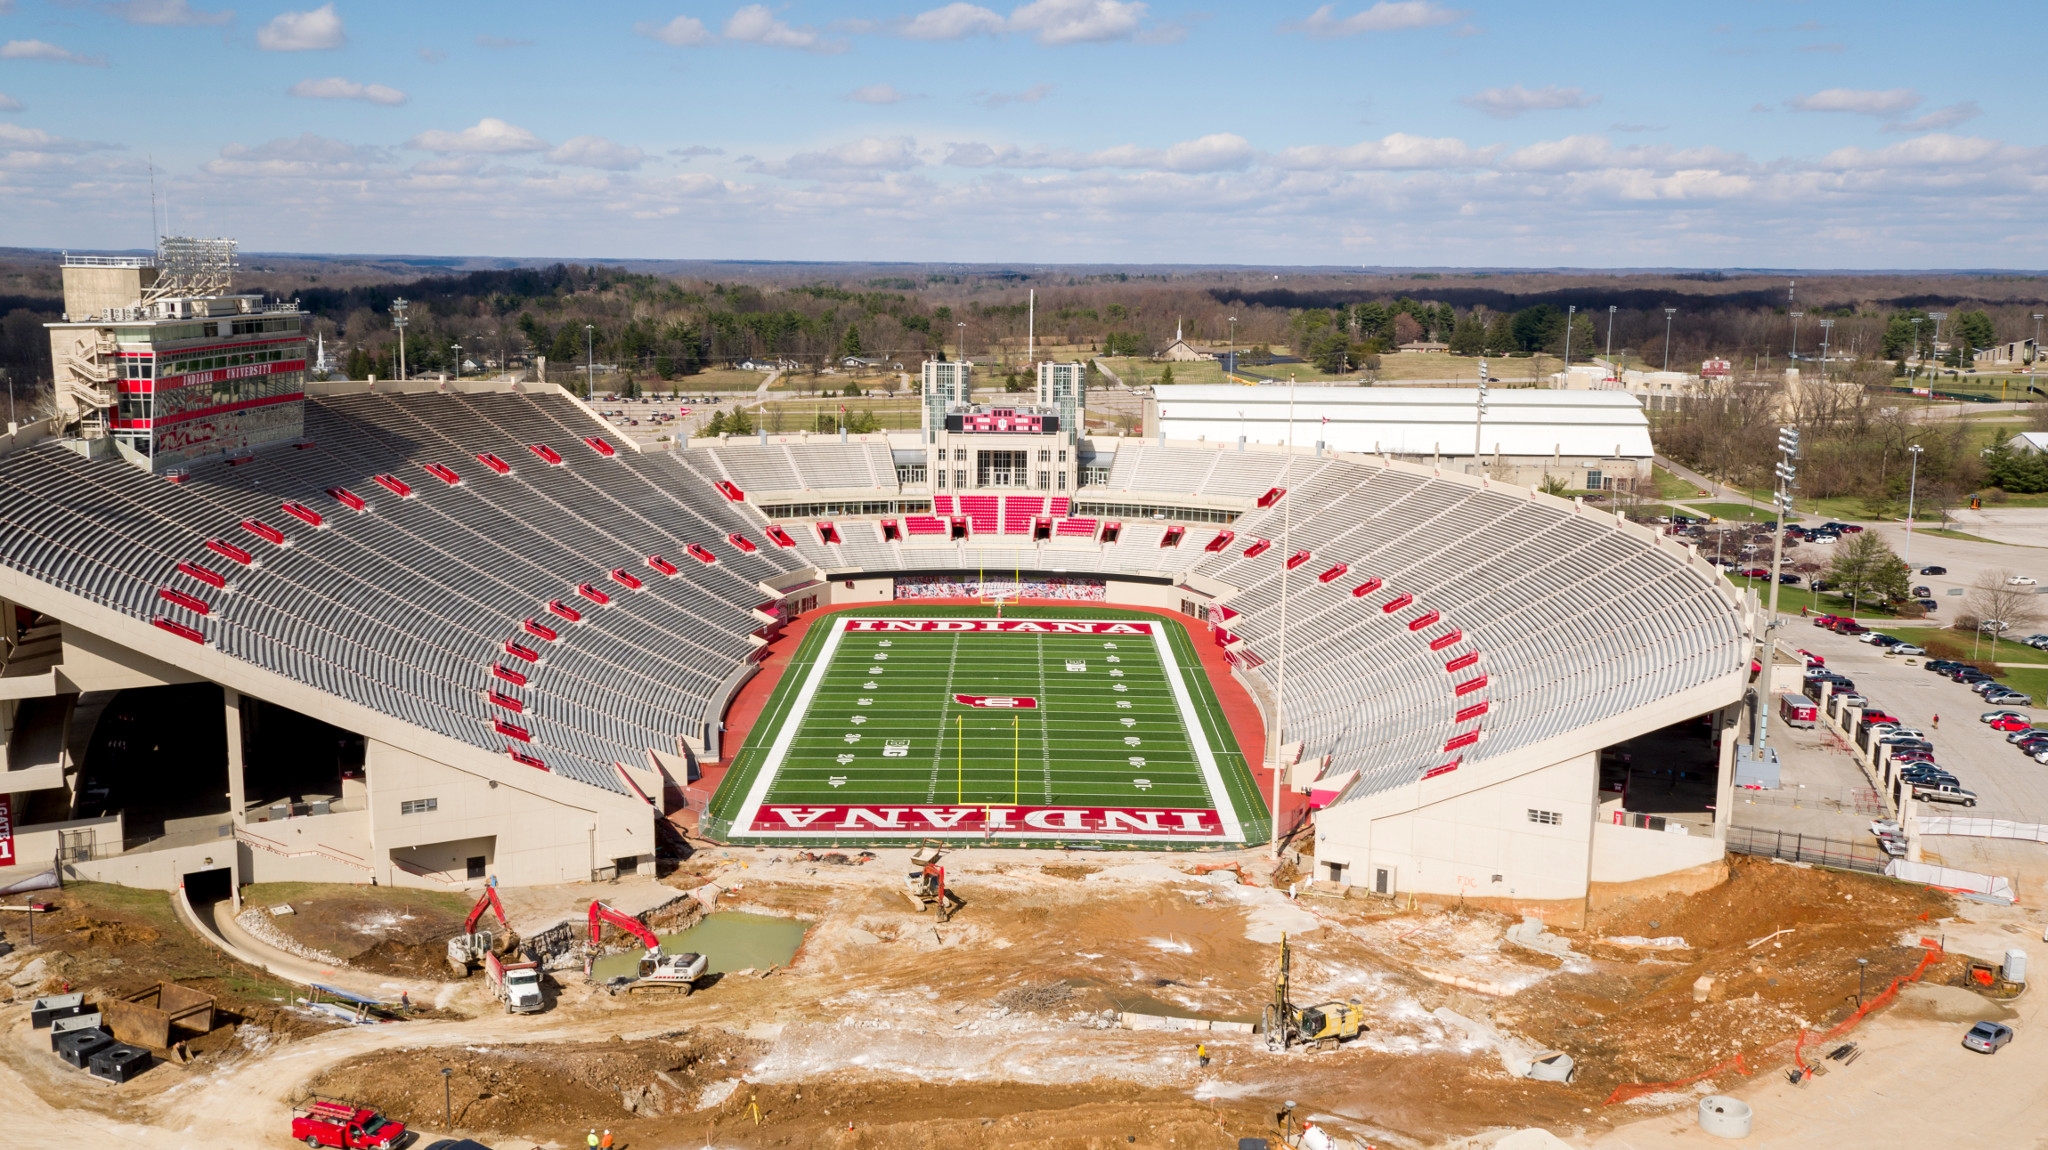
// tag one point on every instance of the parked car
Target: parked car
(2009, 722)
(1875, 638)
(1906, 650)
(2040, 754)
(1852, 699)
(1820, 585)
(329, 1123)
(1944, 793)
(1941, 666)
(1995, 716)
(1789, 580)
(1900, 735)
(2025, 733)
(2020, 581)
(1934, 570)
(1848, 627)
(1754, 573)
(1825, 620)
(1929, 604)
(2038, 642)
(1923, 590)
(1823, 539)
(2009, 698)
(1987, 1037)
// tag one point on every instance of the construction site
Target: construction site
(841, 1000)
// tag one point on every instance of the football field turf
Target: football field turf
(1046, 725)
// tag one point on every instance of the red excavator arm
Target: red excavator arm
(487, 899)
(601, 914)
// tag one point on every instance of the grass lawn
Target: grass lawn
(273, 893)
(1029, 736)
(1737, 512)
(1946, 533)
(1670, 486)
(793, 415)
(1136, 372)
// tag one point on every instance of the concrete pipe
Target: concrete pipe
(1724, 1117)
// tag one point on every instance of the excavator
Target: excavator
(926, 886)
(1316, 1027)
(467, 950)
(657, 971)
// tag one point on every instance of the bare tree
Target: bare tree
(1999, 605)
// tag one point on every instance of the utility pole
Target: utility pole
(1569, 314)
(1668, 313)
(1827, 331)
(589, 361)
(1796, 317)
(399, 320)
(1611, 309)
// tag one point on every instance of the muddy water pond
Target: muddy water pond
(728, 939)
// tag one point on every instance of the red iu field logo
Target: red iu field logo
(1020, 702)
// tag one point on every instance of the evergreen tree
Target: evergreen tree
(717, 424)
(739, 424)
(1468, 336)
(849, 344)
(1500, 335)
(1166, 376)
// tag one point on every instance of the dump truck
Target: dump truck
(516, 984)
(326, 1122)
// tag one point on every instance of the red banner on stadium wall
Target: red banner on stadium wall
(958, 820)
(6, 832)
(1020, 702)
(1002, 626)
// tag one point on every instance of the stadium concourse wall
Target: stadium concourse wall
(531, 827)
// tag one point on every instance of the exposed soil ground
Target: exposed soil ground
(381, 929)
(1000, 1028)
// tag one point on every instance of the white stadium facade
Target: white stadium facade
(509, 636)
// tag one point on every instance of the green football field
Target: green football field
(1046, 725)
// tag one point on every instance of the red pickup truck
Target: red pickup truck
(340, 1124)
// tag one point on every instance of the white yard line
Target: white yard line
(786, 734)
(1212, 775)
(931, 791)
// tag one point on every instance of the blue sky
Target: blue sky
(1402, 132)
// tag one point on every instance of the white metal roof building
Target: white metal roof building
(1417, 422)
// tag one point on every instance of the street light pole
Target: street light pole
(1668, 313)
(1827, 331)
(1569, 314)
(1796, 317)
(1912, 489)
(1233, 344)
(1937, 317)
(458, 361)
(1919, 359)
(1611, 309)
(589, 361)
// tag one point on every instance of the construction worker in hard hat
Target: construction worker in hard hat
(605, 1143)
(592, 1140)
(1202, 1053)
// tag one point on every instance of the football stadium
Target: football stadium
(261, 628)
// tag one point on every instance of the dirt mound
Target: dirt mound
(545, 1091)
(101, 933)
(1949, 1004)
(412, 960)
(1069, 870)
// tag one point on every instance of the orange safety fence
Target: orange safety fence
(1629, 1090)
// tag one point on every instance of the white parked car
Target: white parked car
(2020, 581)
(1906, 649)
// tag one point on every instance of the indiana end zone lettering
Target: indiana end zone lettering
(797, 819)
(1002, 626)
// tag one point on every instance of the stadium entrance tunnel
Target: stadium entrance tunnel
(203, 888)
(157, 755)
(1670, 775)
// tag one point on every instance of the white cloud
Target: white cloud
(488, 136)
(44, 50)
(1385, 16)
(1859, 101)
(1399, 151)
(873, 154)
(337, 88)
(1936, 151)
(317, 30)
(302, 155)
(167, 13)
(14, 138)
(501, 42)
(755, 24)
(9, 103)
(1220, 152)
(879, 94)
(954, 22)
(681, 32)
(1937, 120)
(695, 150)
(1031, 95)
(1061, 22)
(1507, 103)
(597, 152)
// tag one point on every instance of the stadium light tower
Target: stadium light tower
(1668, 313)
(1912, 490)
(1611, 309)
(1796, 317)
(457, 349)
(1279, 736)
(589, 360)
(1827, 332)
(399, 320)
(1788, 474)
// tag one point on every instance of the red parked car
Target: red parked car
(329, 1123)
(2010, 723)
